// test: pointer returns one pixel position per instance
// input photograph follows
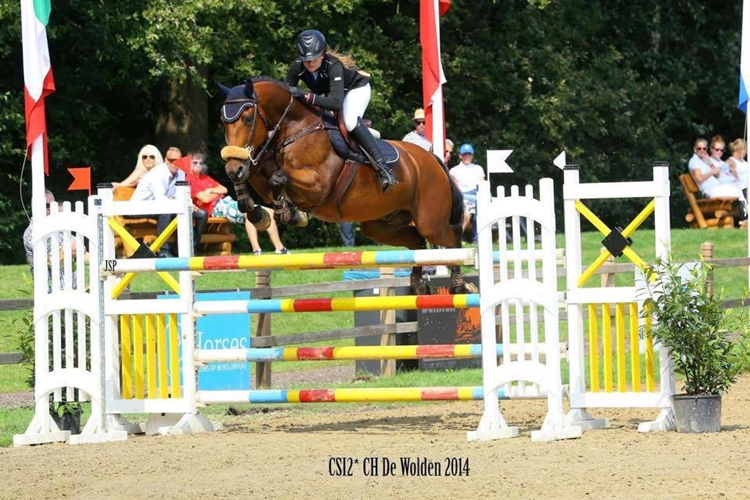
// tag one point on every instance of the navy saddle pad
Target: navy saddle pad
(390, 154)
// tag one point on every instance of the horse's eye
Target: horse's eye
(248, 119)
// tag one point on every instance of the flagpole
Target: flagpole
(744, 74)
(438, 120)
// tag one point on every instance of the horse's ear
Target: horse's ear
(224, 89)
(249, 88)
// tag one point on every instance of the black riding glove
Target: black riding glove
(298, 94)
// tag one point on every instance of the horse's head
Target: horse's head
(245, 130)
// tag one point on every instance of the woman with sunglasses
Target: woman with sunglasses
(711, 173)
(336, 84)
(148, 157)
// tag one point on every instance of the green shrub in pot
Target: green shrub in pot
(707, 344)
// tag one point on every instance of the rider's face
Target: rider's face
(314, 64)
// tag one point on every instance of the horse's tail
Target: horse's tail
(457, 199)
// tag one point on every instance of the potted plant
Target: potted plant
(707, 344)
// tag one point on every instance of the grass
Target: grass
(685, 246)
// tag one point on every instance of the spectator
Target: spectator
(148, 157)
(468, 176)
(448, 152)
(173, 154)
(368, 123)
(159, 184)
(416, 136)
(346, 230)
(211, 197)
(707, 171)
(28, 245)
(737, 163)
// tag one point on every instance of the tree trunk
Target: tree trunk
(183, 117)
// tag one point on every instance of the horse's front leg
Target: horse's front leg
(254, 213)
(284, 210)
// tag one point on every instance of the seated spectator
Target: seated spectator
(708, 171)
(416, 136)
(159, 183)
(28, 245)
(448, 152)
(148, 157)
(212, 197)
(368, 123)
(737, 163)
(468, 175)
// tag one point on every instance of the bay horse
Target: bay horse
(281, 147)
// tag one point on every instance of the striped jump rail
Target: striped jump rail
(369, 395)
(351, 353)
(327, 260)
(405, 302)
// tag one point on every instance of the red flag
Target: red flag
(432, 69)
(184, 163)
(81, 179)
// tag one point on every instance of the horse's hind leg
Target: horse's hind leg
(398, 235)
(434, 227)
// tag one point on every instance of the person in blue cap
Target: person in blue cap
(468, 175)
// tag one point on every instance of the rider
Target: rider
(336, 85)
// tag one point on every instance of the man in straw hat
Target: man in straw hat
(416, 136)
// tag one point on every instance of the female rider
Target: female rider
(336, 85)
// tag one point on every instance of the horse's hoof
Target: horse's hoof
(431, 289)
(264, 222)
(300, 219)
(463, 289)
(420, 289)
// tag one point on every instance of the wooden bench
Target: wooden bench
(707, 212)
(216, 240)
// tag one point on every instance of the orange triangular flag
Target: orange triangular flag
(81, 179)
(184, 163)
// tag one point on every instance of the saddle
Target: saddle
(346, 148)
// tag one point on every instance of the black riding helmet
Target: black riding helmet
(311, 44)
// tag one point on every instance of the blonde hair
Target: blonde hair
(736, 145)
(148, 149)
(346, 59)
(717, 138)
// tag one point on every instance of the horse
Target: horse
(280, 147)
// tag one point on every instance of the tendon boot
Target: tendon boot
(370, 148)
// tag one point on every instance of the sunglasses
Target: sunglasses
(171, 159)
(718, 149)
(152, 157)
(701, 149)
(419, 122)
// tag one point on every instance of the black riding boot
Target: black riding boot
(367, 142)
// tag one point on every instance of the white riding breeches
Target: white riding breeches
(355, 104)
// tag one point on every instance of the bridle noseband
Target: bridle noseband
(247, 152)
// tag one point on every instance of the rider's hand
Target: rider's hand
(298, 94)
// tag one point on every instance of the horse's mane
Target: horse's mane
(264, 78)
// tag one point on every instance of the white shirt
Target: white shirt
(697, 164)
(741, 167)
(419, 140)
(468, 176)
(725, 177)
(157, 184)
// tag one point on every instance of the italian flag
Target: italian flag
(37, 71)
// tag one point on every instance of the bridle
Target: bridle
(248, 151)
